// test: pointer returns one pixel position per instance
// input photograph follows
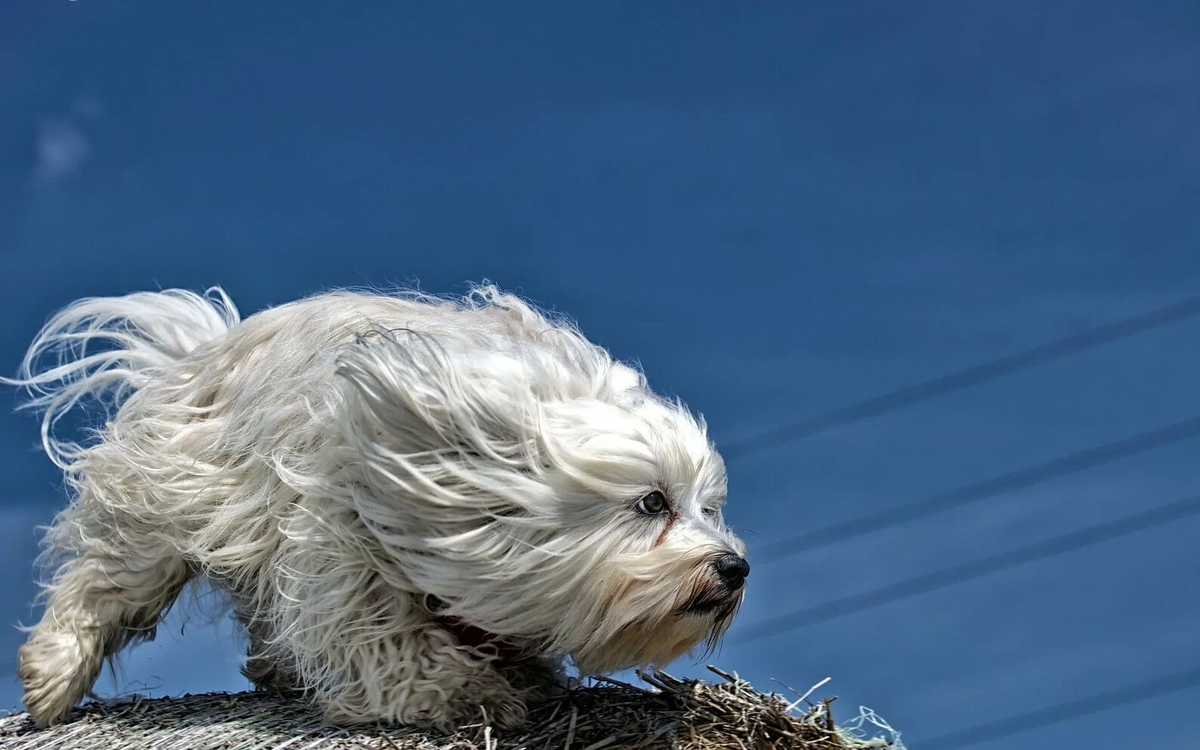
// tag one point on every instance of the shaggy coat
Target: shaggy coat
(371, 478)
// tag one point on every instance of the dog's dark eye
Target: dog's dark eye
(652, 504)
(711, 511)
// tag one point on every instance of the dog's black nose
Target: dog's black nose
(733, 569)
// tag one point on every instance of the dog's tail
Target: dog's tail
(107, 347)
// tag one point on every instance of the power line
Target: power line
(952, 576)
(972, 493)
(964, 378)
(1066, 711)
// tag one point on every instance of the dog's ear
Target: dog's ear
(417, 394)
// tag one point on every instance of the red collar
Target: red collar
(474, 638)
(485, 643)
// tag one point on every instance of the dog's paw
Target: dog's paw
(499, 712)
(538, 681)
(503, 712)
(56, 669)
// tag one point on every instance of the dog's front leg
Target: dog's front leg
(423, 677)
(363, 648)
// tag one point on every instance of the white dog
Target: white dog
(421, 508)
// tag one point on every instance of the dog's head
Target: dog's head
(538, 488)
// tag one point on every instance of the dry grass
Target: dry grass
(668, 713)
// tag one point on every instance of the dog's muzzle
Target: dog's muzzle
(732, 570)
(723, 593)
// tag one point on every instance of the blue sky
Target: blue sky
(776, 208)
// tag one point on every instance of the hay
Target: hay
(609, 715)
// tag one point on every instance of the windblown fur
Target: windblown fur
(357, 470)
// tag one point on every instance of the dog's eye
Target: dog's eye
(652, 504)
(711, 511)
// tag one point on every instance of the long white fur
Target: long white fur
(333, 461)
